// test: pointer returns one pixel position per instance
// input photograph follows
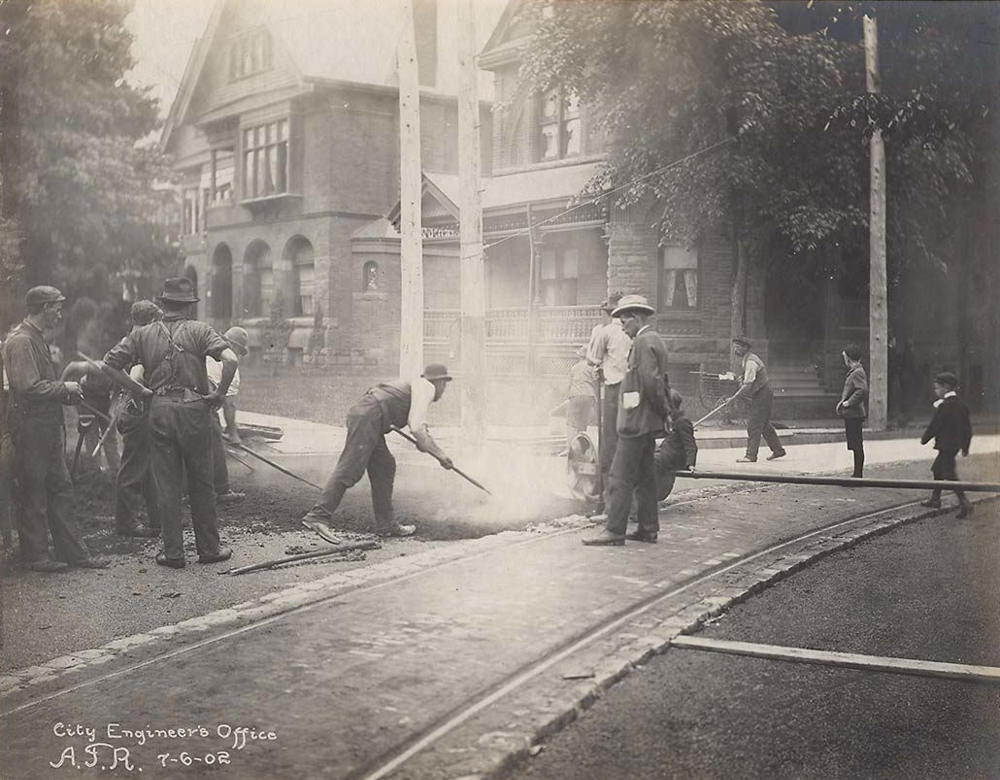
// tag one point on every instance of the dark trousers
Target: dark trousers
(220, 469)
(46, 495)
(633, 470)
(759, 422)
(608, 435)
(135, 477)
(944, 467)
(182, 444)
(666, 461)
(364, 450)
(853, 428)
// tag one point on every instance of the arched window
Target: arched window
(299, 253)
(258, 280)
(369, 277)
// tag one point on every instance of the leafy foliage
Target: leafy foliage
(81, 184)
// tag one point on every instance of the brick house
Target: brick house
(284, 136)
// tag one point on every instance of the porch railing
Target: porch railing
(515, 344)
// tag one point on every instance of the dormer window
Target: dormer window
(558, 125)
(250, 54)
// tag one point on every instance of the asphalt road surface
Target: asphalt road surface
(929, 590)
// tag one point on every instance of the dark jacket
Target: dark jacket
(950, 427)
(853, 401)
(646, 375)
(36, 392)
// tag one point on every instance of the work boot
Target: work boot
(965, 511)
(319, 526)
(230, 497)
(776, 455)
(173, 563)
(48, 566)
(933, 503)
(642, 536)
(396, 529)
(224, 554)
(605, 539)
(746, 459)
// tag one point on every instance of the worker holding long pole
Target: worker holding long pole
(387, 405)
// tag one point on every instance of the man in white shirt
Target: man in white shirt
(239, 340)
(383, 407)
(608, 353)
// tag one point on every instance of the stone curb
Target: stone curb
(611, 659)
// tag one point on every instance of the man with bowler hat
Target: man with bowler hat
(383, 407)
(172, 352)
(642, 414)
(757, 390)
(35, 425)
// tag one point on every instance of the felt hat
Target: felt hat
(238, 339)
(633, 303)
(179, 289)
(42, 294)
(436, 371)
(948, 379)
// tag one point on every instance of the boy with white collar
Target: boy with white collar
(951, 430)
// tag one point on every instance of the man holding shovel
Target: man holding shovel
(383, 407)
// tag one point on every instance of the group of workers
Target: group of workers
(170, 431)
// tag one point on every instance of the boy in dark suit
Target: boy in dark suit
(952, 431)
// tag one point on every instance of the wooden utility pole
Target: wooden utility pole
(411, 261)
(877, 297)
(473, 274)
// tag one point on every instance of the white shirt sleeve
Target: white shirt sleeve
(213, 368)
(421, 397)
(749, 372)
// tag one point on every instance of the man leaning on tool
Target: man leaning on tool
(172, 352)
(757, 390)
(35, 424)
(387, 405)
(642, 413)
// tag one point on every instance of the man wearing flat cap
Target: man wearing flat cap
(642, 413)
(35, 425)
(757, 390)
(385, 406)
(172, 353)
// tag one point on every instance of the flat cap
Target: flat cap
(436, 371)
(41, 294)
(743, 341)
(948, 379)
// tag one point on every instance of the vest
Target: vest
(394, 398)
(760, 381)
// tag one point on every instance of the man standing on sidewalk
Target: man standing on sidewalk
(642, 413)
(390, 404)
(35, 425)
(608, 353)
(756, 389)
(172, 353)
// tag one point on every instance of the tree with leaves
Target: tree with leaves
(785, 84)
(77, 183)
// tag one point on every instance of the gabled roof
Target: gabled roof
(351, 41)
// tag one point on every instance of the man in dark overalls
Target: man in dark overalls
(172, 352)
(382, 407)
(35, 425)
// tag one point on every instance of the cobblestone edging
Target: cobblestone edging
(276, 603)
(501, 739)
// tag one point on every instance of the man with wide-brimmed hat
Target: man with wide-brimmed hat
(35, 425)
(172, 352)
(387, 405)
(607, 352)
(642, 417)
(757, 390)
